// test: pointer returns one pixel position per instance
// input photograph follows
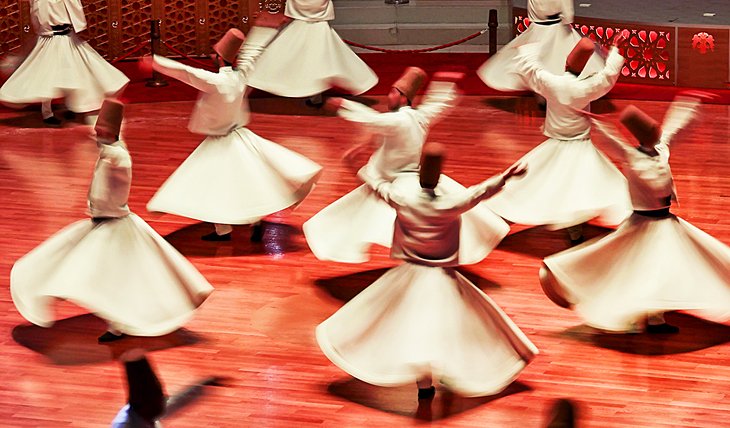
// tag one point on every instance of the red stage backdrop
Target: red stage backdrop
(118, 26)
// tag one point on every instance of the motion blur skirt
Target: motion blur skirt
(63, 66)
(648, 265)
(119, 269)
(236, 179)
(306, 59)
(418, 321)
(567, 183)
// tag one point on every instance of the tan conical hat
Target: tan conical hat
(410, 82)
(228, 46)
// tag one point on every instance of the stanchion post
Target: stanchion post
(157, 80)
(492, 24)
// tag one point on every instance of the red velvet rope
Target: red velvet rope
(351, 43)
(182, 54)
(422, 50)
(132, 52)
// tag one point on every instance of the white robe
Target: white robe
(308, 57)
(62, 65)
(116, 266)
(556, 37)
(234, 176)
(423, 319)
(649, 264)
(568, 181)
(344, 230)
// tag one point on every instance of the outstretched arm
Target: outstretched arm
(265, 29)
(381, 186)
(615, 143)
(487, 188)
(202, 80)
(583, 91)
(359, 113)
(569, 91)
(441, 95)
(682, 111)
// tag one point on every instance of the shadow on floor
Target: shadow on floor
(694, 334)
(278, 240)
(539, 242)
(403, 400)
(73, 341)
(345, 287)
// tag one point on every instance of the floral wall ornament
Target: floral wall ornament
(271, 6)
(703, 42)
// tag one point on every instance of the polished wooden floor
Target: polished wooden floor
(256, 331)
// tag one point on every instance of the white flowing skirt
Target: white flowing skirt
(567, 183)
(344, 230)
(236, 179)
(306, 59)
(418, 321)
(119, 269)
(63, 66)
(647, 265)
(556, 41)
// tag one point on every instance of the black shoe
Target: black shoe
(110, 337)
(662, 329)
(52, 121)
(577, 241)
(315, 101)
(69, 115)
(426, 393)
(257, 233)
(214, 237)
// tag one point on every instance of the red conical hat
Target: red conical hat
(110, 116)
(579, 56)
(431, 160)
(641, 125)
(410, 82)
(228, 46)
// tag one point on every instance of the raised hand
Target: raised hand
(516, 170)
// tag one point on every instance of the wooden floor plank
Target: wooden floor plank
(257, 329)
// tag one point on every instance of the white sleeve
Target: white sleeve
(360, 113)
(682, 111)
(439, 97)
(256, 41)
(582, 91)
(574, 92)
(202, 80)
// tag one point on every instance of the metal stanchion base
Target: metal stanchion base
(396, 1)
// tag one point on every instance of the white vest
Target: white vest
(310, 10)
(45, 13)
